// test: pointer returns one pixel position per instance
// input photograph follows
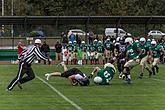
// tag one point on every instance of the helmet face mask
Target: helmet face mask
(128, 41)
(153, 43)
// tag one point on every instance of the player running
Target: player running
(131, 57)
(156, 51)
(74, 75)
(143, 49)
(120, 54)
(103, 76)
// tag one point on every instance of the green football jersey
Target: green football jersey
(144, 48)
(91, 48)
(100, 49)
(156, 51)
(108, 45)
(84, 47)
(106, 75)
(132, 51)
(70, 47)
(75, 46)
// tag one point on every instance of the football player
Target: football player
(70, 49)
(156, 51)
(92, 50)
(120, 54)
(83, 48)
(74, 55)
(131, 57)
(100, 51)
(105, 75)
(108, 45)
(143, 49)
(75, 76)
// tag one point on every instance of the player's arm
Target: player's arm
(72, 80)
(93, 72)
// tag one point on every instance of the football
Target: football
(97, 79)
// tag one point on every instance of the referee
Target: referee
(25, 59)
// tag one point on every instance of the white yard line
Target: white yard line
(156, 79)
(60, 94)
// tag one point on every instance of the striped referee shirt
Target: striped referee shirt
(29, 54)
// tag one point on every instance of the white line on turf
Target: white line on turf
(60, 94)
(156, 79)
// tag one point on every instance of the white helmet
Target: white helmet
(129, 40)
(142, 39)
(117, 39)
(37, 41)
(148, 40)
(99, 41)
(153, 39)
(136, 40)
(108, 39)
(70, 42)
(95, 40)
(97, 79)
(74, 42)
(153, 43)
(83, 42)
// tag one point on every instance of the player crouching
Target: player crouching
(74, 75)
(103, 76)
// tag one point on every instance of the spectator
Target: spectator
(72, 37)
(58, 50)
(45, 49)
(78, 40)
(64, 39)
(20, 47)
(1, 33)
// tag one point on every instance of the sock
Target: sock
(129, 76)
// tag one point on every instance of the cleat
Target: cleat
(140, 76)
(47, 76)
(7, 90)
(129, 81)
(61, 64)
(19, 85)
(123, 76)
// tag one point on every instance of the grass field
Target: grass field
(58, 94)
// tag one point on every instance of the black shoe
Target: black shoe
(140, 76)
(129, 81)
(90, 76)
(19, 85)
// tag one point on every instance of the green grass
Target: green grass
(143, 94)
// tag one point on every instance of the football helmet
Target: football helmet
(97, 80)
(129, 40)
(142, 40)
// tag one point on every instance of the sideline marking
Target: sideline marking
(60, 94)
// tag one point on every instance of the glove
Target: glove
(90, 76)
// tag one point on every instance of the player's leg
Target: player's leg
(142, 63)
(56, 74)
(30, 76)
(126, 70)
(21, 72)
(154, 65)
